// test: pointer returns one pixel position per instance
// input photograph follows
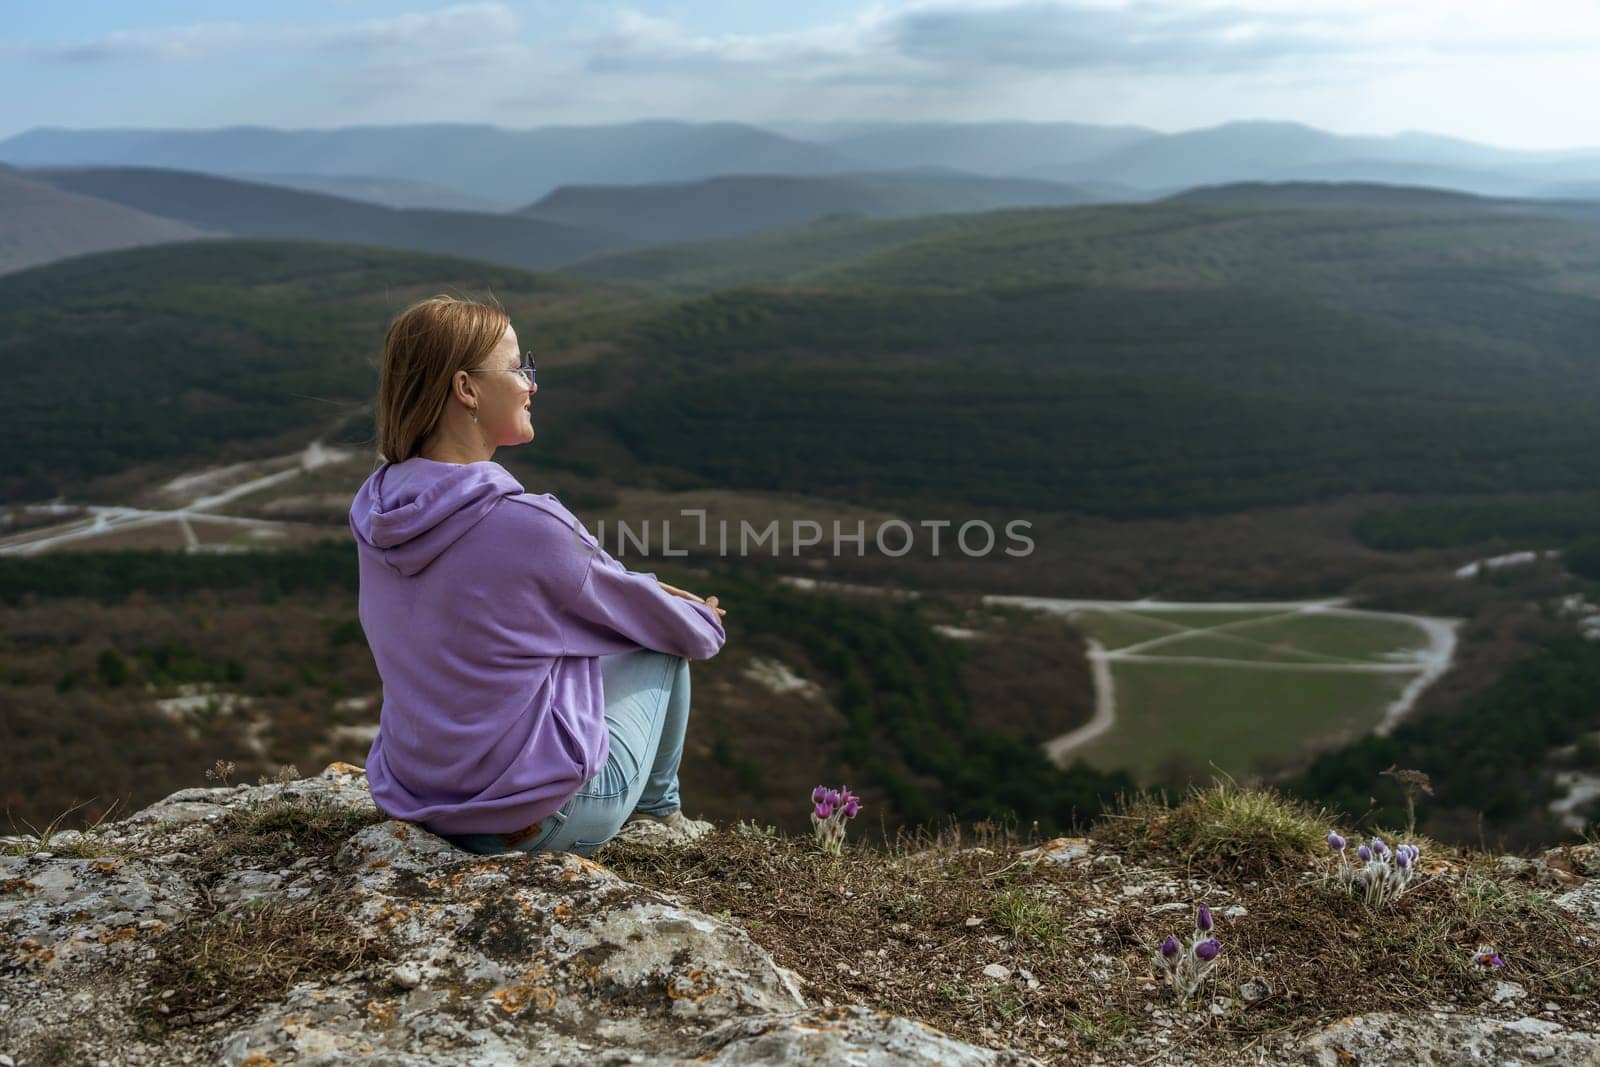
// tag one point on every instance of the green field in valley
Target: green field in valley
(1245, 691)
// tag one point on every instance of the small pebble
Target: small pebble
(406, 976)
(996, 970)
(1255, 989)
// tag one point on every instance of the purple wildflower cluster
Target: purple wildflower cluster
(1381, 874)
(830, 808)
(1187, 964)
(1486, 956)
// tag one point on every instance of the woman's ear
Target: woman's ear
(463, 390)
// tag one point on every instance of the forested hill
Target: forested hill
(1138, 360)
(221, 349)
(1126, 360)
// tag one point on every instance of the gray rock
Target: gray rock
(519, 957)
(853, 1036)
(1257, 988)
(1440, 1039)
(1584, 901)
(59, 913)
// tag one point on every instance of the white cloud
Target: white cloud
(1511, 72)
(445, 28)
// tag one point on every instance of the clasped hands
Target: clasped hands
(710, 601)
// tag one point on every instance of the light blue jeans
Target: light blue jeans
(647, 713)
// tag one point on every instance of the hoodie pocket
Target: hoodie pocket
(573, 744)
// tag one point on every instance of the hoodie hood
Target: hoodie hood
(411, 512)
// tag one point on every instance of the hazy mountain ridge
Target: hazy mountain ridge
(40, 224)
(251, 209)
(514, 166)
(520, 166)
(734, 206)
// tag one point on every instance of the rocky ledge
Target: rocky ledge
(287, 922)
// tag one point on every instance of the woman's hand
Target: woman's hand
(710, 601)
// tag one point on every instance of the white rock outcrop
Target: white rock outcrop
(507, 959)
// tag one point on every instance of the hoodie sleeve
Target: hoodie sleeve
(613, 602)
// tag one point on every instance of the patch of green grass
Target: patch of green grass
(1022, 914)
(1243, 645)
(1118, 629)
(908, 906)
(1205, 618)
(1176, 722)
(1484, 899)
(1227, 826)
(1102, 1029)
(1343, 636)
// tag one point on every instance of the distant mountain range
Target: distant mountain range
(503, 167)
(736, 206)
(40, 223)
(604, 191)
(223, 206)
(569, 225)
(510, 166)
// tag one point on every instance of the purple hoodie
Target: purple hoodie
(485, 607)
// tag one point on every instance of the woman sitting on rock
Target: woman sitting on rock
(535, 691)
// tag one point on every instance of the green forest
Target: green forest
(1154, 360)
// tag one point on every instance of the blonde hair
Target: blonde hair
(426, 345)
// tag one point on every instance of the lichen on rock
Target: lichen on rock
(458, 957)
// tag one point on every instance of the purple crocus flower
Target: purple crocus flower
(1170, 948)
(833, 797)
(824, 810)
(819, 794)
(850, 808)
(1207, 950)
(1487, 957)
(1336, 842)
(1379, 847)
(1365, 853)
(1202, 922)
(1402, 859)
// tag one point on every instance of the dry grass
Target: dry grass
(212, 966)
(890, 928)
(285, 828)
(46, 839)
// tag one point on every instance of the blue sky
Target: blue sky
(1519, 74)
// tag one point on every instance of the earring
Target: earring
(474, 416)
